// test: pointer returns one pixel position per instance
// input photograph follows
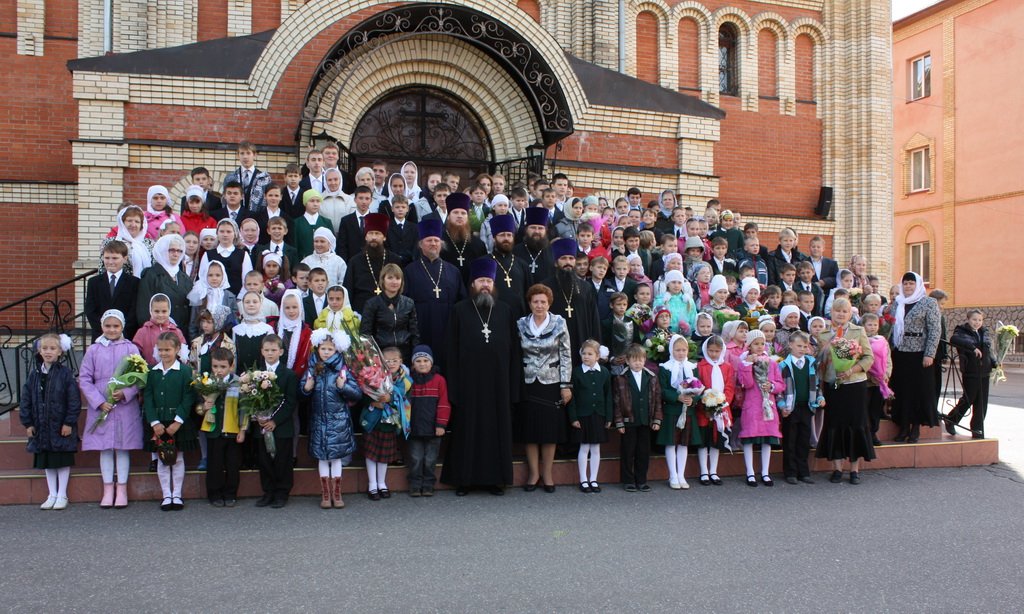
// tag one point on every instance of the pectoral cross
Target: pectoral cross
(461, 260)
(533, 267)
(508, 280)
(486, 330)
(568, 311)
(437, 292)
(377, 291)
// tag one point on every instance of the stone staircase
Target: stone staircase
(21, 484)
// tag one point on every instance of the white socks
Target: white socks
(593, 451)
(670, 460)
(748, 458)
(702, 461)
(178, 477)
(63, 475)
(332, 468)
(111, 458)
(123, 459)
(51, 481)
(714, 460)
(376, 474)
(171, 478)
(163, 473)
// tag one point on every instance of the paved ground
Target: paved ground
(925, 540)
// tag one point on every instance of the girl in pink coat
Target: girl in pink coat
(761, 380)
(122, 429)
(158, 209)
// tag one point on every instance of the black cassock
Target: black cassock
(585, 322)
(469, 251)
(539, 266)
(361, 281)
(432, 311)
(484, 379)
(512, 292)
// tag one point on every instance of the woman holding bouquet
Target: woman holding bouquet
(845, 355)
(121, 429)
(915, 341)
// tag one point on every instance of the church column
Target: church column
(239, 17)
(605, 16)
(31, 25)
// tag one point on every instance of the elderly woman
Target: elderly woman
(846, 434)
(166, 277)
(859, 266)
(547, 374)
(915, 340)
(390, 317)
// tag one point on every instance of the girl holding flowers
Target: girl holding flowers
(679, 389)
(845, 358)
(714, 417)
(121, 429)
(761, 379)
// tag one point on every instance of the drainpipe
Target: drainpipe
(622, 36)
(108, 26)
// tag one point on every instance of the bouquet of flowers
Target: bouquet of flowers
(714, 407)
(721, 316)
(259, 399)
(365, 362)
(856, 296)
(761, 368)
(641, 316)
(657, 345)
(209, 388)
(131, 371)
(1005, 335)
(754, 315)
(692, 387)
(845, 353)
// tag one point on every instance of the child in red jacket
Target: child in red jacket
(429, 418)
(714, 432)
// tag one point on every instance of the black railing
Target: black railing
(25, 320)
(519, 169)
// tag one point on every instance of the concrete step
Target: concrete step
(24, 486)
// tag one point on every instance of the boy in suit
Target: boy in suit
(233, 208)
(638, 411)
(291, 193)
(402, 234)
(807, 283)
(315, 300)
(350, 232)
(797, 406)
(276, 472)
(201, 177)
(277, 230)
(825, 269)
(253, 180)
(317, 177)
(112, 289)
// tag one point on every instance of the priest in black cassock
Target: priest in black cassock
(512, 274)
(362, 277)
(574, 298)
(460, 247)
(533, 251)
(435, 286)
(484, 376)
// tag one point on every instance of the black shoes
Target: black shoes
(704, 480)
(531, 487)
(374, 495)
(497, 491)
(854, 478)
(264, 501)
(792, 480)
(717, 481)
(630, 487)
(461, 492)
(836, 477)
(767, 481)
(278, 503)
(585, 487)
(385, 493)
(217, 502)
(806, 480)
(549, 488)
(595, 487)
(950, 425)
(751, 481)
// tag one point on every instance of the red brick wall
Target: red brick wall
(266, 15)
(48, 255)
(647, 47)
(8, 15)
(767, 62)
(531, 8)
(804, 67)
(769, 163)
(61, 20)
(213, 19)
(652, 152)
(689, 54)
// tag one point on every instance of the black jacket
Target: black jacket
(779, 261)
(966, 340)
(350, 238)
(98, 300)
(391, 327)
(402, 241)
(222, 213)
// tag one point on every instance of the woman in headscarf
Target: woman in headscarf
(915, 340)
(131, 230)
(166, 277)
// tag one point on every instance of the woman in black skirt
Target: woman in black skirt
(915, 341)
(846, 434)
(547, 373)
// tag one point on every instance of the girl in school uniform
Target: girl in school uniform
(590, 412)
(50, 404)
(121, 432)
(228, 251)
(167, 407)
(679, 385)
(247, 336)
(713, 433)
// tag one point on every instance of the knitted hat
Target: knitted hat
(458, 200)
(750, 283)
(671, 276)
(499, 199)
(207, 232)
(309, 195)
(752, 335)
(376, 222)
(484, 266)
(502, 223)
(787, 311)
(422, 351)
(658, 312)
(693, 243)
(564, 247)
(718, 282)
(537, 216)
(430, 228)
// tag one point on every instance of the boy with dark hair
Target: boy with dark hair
(201, 177)
(252, 180)
(233, 204)
(276, 471)
(225, 433)
(638, 411)
(112, 288)
(291, 193)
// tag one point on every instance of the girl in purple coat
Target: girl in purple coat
(122, 430)
(761, 379)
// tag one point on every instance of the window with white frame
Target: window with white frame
(920, 170)
(919, 259)
(921, 77)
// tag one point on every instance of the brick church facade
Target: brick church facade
(756, 103)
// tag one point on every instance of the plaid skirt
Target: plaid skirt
(381, 446)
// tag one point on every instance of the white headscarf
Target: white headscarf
(138, 252)
(117, 315)
(284, 323)
(153, 191)
(901, 310)
(252, 325)
(681, 370)
(323, 233)
(202, 288)
(412, 188)
(717, 378)
(163, 244)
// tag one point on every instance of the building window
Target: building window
(919, 259)
(728, 60)
(920, 170)
(921, 77)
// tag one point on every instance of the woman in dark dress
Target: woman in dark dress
(547, 373)
(915, 341)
